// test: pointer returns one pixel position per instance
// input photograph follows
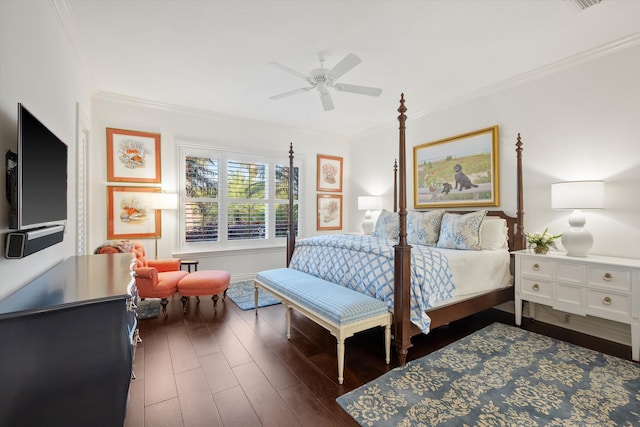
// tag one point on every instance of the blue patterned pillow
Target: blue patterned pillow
(387, 226)
(461, 231)
(423, 228)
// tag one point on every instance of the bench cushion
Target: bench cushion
(334, 302)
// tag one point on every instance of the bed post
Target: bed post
(395, 185)
(402, 258)
(518, 237)
(291, 229)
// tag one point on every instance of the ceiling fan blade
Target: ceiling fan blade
(327, 102)
(291, 92)
(288, 70)
(347, 63)
(362, 90)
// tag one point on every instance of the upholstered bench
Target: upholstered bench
(204, 282)
(340, 310)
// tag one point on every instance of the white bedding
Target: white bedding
(476, 272)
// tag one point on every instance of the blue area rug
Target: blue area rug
(148, 308)
(506, 376)
(242, 294)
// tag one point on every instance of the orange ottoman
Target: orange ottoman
(204, 282)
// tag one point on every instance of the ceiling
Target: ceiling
(213, 55)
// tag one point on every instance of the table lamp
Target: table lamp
(368, 203)
(577, 195)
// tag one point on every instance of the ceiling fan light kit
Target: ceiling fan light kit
(322, 79)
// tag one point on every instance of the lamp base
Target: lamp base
(367, 224)
(577, 241)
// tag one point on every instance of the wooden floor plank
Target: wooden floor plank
(218, 372)
(196, 401)
(159, 381)
(183, 354)
(265, 400)
(235, 409)
(164, 414)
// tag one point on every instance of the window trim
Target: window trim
(185, 149)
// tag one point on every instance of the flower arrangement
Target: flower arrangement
(432, 181)
(541, 242)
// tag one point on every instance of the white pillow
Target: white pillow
(461, 231)
(387, 225)
(423, 228)
(494, 233)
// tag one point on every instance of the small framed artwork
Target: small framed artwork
(133, 156)
(329, 173)
(461, 171)
(329, 212)
(130, 215)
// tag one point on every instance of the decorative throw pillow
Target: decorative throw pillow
(494, 233)
(423, 228)
(461, 231)
(387, 225)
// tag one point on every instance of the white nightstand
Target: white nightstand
(606, 287)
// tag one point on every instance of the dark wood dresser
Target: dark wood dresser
(67, 345)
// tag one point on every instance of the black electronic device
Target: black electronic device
(19, 244)
(40, 196)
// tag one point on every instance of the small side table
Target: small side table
(189, 263)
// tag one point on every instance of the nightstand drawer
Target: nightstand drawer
(536, 267)
(610, 277)
(535, 288)
(608, 305)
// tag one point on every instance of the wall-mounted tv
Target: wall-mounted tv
(39, 194)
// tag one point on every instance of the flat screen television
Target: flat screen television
(39, 194)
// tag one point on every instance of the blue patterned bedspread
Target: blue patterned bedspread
(366, 264)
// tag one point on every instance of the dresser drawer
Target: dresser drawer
(608, 305)
(536, 267)
(614, 278)
(535, 288)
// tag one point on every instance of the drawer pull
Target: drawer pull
(535, 267)
(606, 300)
(535, 287)
(607, 277)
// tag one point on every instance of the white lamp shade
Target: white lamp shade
(577, 195)
(164, 201)
(369, 203)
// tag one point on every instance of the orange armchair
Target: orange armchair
(154, 278)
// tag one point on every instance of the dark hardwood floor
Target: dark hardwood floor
(231, 368)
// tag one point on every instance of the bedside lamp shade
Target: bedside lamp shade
(368, 203)
(577, 195)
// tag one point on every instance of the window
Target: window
(234, 199)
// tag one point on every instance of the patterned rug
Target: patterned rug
(502, 376)
(242, 294)
(148, 308)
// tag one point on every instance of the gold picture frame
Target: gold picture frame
(461, 171)
(129, 213)
(133, 156)
(329, 212)
(329, 176)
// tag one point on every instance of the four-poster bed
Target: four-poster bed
(404, 326)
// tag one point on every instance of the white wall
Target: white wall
(577, 121)
(38, 69)
(230, 133)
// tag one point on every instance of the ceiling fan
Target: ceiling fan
(323, 79)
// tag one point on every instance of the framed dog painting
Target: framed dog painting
(461, 171)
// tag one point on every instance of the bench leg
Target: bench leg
(288, 313)
(340, 360)
(387, 343)
(255, 297)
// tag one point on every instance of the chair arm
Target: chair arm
(162, 265)
(146, 279)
